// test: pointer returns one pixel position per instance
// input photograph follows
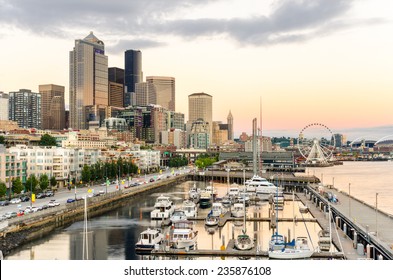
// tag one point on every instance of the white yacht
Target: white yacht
(163, 208)
(218, 209)
(183, 235)
(301, 250)
(178, 215)
(148, 239)
(205, 200)
(190, 208)
(194, 193)
(238, 210)
(210, 190)
(233, 191)
(254, 182)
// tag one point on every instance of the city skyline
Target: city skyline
(309, 61)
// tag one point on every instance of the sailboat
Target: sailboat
(296, 249)
(243, 241)
(277, 241)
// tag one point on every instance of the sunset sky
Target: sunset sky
(309, 61)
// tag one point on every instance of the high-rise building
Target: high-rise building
(88, 81)
(116, 87)
(230, 126)
(115, 93)
(116, 75)
(162, 91)
(3, 106)
(142, 95)
(200, 107)
(132, 74)
(53, 106)
(24, 107)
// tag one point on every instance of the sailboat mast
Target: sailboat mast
(261, 137)
(254, 145)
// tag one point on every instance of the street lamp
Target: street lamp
(31, 191)
(376, 214)
(349, 199)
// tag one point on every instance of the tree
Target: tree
(44, 182)
(53, 181)
(2, 139)
(17, 186)
(86, 174)
(3, 189)
(31, 183)
(47, 140)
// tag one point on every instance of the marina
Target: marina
(350, 239)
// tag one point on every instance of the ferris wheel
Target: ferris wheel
(316, 143)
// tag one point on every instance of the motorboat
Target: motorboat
(194, 194)
(218, 209)
(205, 200)
(324, 242)
(266, 189)
(238, 210)
(190, 208)
(252, 184)
(212, 221)
(163, 208)
(178, 215)
(210, 190)
(243, 242)
(183, 236)
(148, 239)
(301, 250)
(233, 191)
(243, 196)
(226, 201)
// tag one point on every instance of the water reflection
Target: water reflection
(113, 235)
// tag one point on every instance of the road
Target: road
(62, 195)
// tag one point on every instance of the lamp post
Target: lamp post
(31, 191)
(376, 214)
(228, 169)
(349, 199)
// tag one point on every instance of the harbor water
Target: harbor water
(112, 236)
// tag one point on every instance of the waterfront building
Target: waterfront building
(62, 163)
(266, 144)
(132, 74)
(3, 106)
(230, 126)
(25, 108)
(88, 82)
(175, 137)
(52, 106)
(199, 136)
(84, 139)
(11, 167)
(200, 107)
(162, 91)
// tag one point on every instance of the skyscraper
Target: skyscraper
(88, 81)
(200, 107)
(53, 106)
(132, 73)
(3, 106)
(116, 87)
(230, 126)
(162, 91)
(25, 108)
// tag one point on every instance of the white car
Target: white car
(31, 209)
(15, 201)
(53, 203)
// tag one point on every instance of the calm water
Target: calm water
(366, 179)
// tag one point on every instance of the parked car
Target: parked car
(53, 203)
(10, 215)
(40, 195)
(49, 193)
(29, 209)
(15, 201)
(4, 202)
(25, 198)
(70, 200)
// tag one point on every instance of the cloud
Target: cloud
(135, 44)
(139, 21)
